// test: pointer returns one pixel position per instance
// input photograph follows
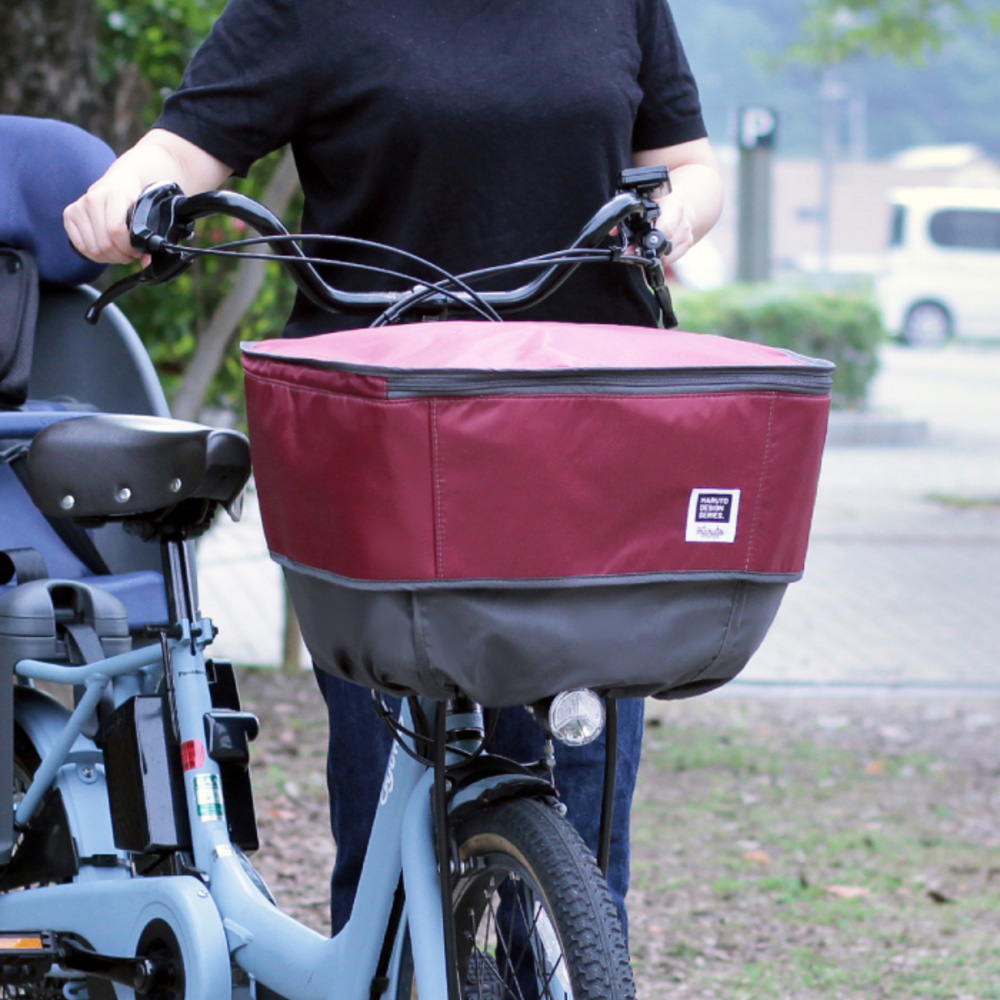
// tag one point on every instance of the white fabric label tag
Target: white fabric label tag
(712, 515)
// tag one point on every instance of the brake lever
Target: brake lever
(152, 222)
(162, 268)
(651, 246)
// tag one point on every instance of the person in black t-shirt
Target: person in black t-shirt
(470, 132)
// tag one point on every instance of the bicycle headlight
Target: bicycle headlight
(576, 718)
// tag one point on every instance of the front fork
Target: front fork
(463, 778)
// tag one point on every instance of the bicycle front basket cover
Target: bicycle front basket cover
(516, 509)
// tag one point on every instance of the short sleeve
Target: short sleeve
(670, 111)
(246, 90)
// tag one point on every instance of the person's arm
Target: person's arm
(695, 202)
(95, 223)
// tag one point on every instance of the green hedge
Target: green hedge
(846, 330)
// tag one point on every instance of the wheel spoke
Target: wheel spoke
(515, 930)
(512, 965)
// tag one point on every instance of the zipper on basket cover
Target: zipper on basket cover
(623, 382)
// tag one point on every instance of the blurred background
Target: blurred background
(838, 123)
(859, 125)
(861, 149)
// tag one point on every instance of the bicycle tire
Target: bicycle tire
(26, 761)
(55, 862)
(534, 917)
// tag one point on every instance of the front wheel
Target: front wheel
(534, 919)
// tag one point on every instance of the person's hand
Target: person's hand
(695, 201)
(677, 224)
(96, 223)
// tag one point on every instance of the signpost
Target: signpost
(757, 132)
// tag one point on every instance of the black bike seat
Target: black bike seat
(116, 466)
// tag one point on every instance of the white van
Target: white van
(942, 275)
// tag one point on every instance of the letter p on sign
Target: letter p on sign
(758, 127)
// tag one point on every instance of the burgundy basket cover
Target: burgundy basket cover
(514, 509)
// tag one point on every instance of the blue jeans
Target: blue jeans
(359, 748)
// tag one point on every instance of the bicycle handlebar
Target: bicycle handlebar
(163, 216)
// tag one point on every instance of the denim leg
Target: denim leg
(359, 748)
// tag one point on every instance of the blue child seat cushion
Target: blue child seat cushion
(44, 166)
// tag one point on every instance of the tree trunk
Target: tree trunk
(49, 69)
(48, 61)
(213, 343)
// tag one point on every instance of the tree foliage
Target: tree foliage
(106, 66)
(763, 53)
(836, 30)
(158, 38)
(843, 329)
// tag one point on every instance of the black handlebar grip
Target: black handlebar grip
(152, 220)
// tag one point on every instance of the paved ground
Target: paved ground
(902, 584)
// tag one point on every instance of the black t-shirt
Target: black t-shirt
(471, 132)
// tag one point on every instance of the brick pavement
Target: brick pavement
(899, 588)
(902, 583)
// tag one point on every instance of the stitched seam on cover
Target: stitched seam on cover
(760, 485)
(422, 653)
(643, 578)
(736, 608)
(438, 499)
(298, 387)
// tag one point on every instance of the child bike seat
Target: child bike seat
(54, 366)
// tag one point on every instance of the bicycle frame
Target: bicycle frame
(219, 912)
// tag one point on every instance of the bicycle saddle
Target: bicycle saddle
(145, 469)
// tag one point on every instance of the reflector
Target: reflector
(21, 942)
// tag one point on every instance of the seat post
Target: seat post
(178, 580)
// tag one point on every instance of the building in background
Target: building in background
(861, 213)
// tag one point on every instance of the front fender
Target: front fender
(493, 779)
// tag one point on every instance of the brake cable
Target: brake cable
(448, 276)
(473, 301)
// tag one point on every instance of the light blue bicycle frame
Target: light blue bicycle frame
(220, 913)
